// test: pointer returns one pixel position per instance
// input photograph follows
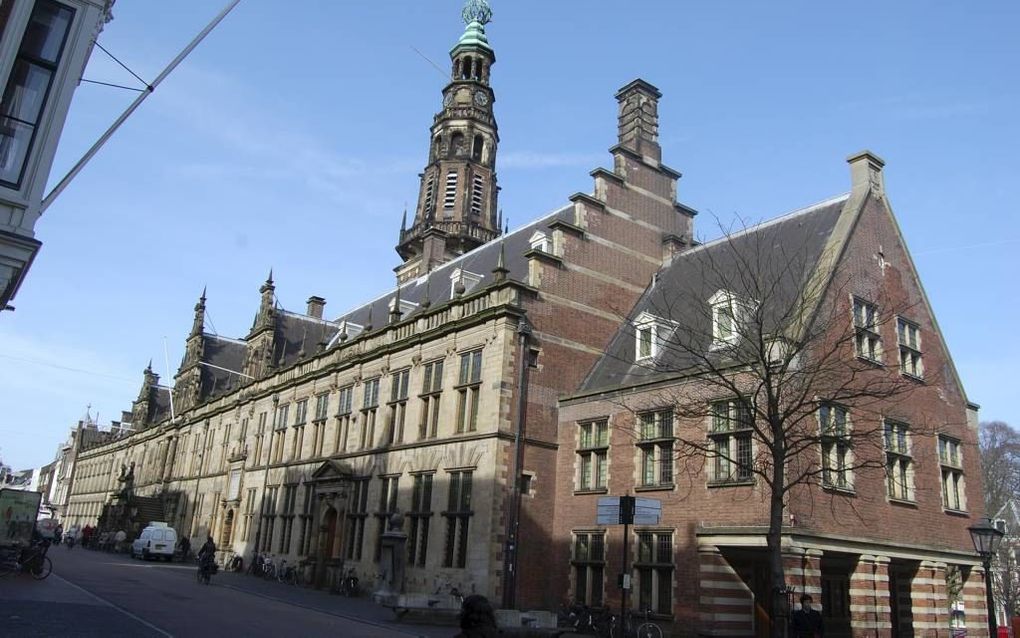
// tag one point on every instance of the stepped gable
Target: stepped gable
(222, 352)
(697, 274)
(477, 265)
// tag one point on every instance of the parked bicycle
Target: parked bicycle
(289, 573)
(640, 625)
(234, 564)
(581, 618)
(32, 559)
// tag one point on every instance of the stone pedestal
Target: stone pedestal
(392, 560)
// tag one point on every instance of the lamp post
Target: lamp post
(986, 537)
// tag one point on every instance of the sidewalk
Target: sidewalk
(361, 608)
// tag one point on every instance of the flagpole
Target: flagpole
(59, 188)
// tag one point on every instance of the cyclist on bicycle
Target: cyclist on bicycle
(207, 556)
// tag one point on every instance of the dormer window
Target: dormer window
(650, 333)
(467, 278)
(724, 318)
(539, 241)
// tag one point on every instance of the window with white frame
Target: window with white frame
(730, 433)
(655, 448)
(899, 469)
(867, 341)
(951, 461)
(724, 318)
(654, 566)
(539, 241)
(450, 194)
(592, 455)
(834, 427)
(908, 334)
(589, 565)
(650, 333)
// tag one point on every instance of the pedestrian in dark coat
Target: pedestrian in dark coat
(477, 618)
(806, 621)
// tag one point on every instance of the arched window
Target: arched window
(476, 149)
(457, 148)
(467, 69)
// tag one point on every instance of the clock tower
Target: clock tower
(456, 209)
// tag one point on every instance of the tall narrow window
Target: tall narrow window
(468, 385)
(260, 433)
(730, 433)
(908, 334)
(589, 564)
(357, 512)
(369, 407)
(654, 566)
(307, 510)
(951, 460)
(431, 391)
(249, 513)
(287, 517)
(450, 194)
(592, 452)
(477, 194)
(387, 507)
(655, 448)
(29, 84)
(458, 518)
(398, 406)
(867, 341)
(899, 470)
(834, 426)
(269, 517)
(420, 515)
(343, 413)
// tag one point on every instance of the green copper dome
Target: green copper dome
(474, 35)
(476, 14)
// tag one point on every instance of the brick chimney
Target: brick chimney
(315, 306)
(639, 118)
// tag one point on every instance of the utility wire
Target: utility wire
(437, 67)
(92, 373)
(124, 66)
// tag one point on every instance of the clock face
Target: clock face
(448, 100)
(481, 98)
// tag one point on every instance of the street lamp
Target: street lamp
(986, 538)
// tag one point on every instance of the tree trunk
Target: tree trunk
(774, 541)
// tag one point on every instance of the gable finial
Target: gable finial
(501, 271)
(476, 11)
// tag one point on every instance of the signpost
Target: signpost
(627, 510)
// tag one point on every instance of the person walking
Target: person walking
(807, 621)
(185, 547)
(478, 618)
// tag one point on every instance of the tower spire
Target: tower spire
(457, 201)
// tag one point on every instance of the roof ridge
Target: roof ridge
(222, 338)
(459, 259)
(770, 222)
(299, 315)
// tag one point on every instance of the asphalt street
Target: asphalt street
(98, 594)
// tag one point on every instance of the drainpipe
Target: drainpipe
(513, 524)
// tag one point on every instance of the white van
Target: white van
(158, 540)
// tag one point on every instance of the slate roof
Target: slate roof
(680, 291)
(223, 353)
(481, 261)
(161, 411)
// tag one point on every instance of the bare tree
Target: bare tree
(760, 334)
(1000, 465)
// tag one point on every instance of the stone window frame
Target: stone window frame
(835, 446)
(867, 338)
(588, 557)
(420, 516)
(656, 439)
(458, 515)
(656, 569)
(399, 386)
(899, 467)
(431, 395)
(726, 469)
(908, 339)
(954, 492)
(389, 493)
(650, 335)
(592, 451)
(355, 517)
(469, 383)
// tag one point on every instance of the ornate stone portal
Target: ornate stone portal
(332, 482)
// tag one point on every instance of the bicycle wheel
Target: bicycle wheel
(41, 567)
(649, 630)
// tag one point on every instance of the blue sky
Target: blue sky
(293, 141)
